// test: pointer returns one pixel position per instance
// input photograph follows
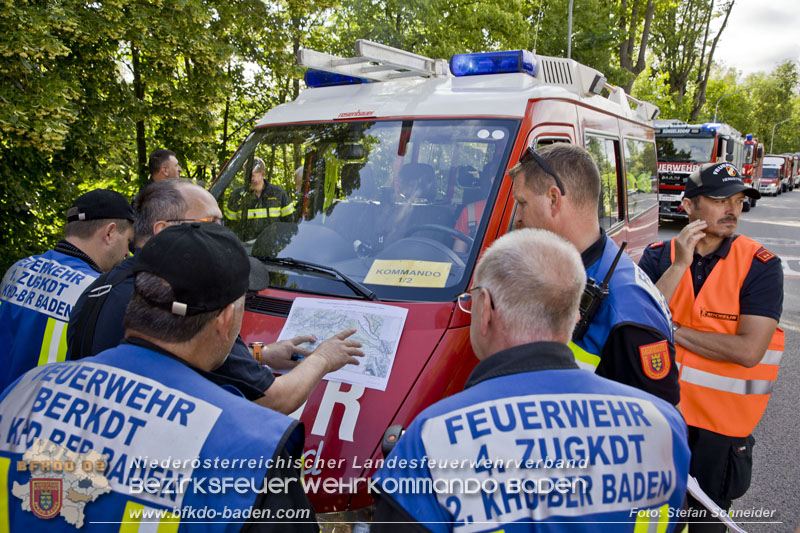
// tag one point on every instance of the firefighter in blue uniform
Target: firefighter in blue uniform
(38, 292)
(139, 428)
(533, 442)
(625, 332)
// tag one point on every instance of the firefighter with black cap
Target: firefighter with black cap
(38, 292)
(168, 439)
(725, 292)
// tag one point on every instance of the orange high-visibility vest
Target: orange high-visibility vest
(718, 396)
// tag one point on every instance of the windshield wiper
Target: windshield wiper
(298, 264)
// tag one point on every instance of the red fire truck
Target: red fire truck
(776, 174)
(386, 154)
(794, 182)
(682, 149)
(753, 163)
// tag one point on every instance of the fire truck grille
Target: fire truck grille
(268, 306)
(673, 179)
(556, 72)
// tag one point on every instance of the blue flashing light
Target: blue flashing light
(749, 137)
(494, 63)
(712, 125)
(321, 78)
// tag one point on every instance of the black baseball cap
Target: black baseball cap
(100, 203)
(205, 264)
(717, 180)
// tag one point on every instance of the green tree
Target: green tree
(89, 89)
(54, 63)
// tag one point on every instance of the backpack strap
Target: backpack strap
(80, 345)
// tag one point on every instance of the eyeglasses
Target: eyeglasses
(215, 220)
(465, 299)
(529, 154)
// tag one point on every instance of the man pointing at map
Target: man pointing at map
(96, 322)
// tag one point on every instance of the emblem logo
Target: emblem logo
(655, 359)
(46, 497)
(718, 316)
(764, 255)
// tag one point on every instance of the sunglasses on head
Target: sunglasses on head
(529, 154)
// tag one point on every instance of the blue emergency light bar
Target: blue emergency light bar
(749, 137)
(712, 125)
(494, 63)
(322, 78)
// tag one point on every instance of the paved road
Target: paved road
(775, 222)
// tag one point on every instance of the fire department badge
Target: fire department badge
(655, 359)
(764, 255)
(46, 497)
(731, 171)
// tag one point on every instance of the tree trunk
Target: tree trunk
(296, 28)
(700, 95)
(138, 91)
(223, 149)
(681, 58)
(626, 47)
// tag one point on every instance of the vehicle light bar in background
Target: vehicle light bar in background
(494, 63)
(749, 137)
(320, 78)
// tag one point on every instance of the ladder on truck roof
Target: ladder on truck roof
(375, 62)
(378, 62)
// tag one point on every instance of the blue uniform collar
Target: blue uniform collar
(524, 358)
(136, 341)
(593, 253)
(67, 248)
(724, 248)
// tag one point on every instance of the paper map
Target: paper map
(378, 328)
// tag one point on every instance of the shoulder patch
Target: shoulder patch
(658, 244)
(764, 255)
(655, 359)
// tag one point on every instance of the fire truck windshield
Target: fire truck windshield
(748, 154)
(771, 172)
(685, 149)
(394, 205)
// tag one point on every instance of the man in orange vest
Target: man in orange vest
(725, 292)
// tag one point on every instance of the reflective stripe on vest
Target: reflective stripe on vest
(711, 390)
(134, 519)
(231, 214)
(287, 210)
(722, 383)
(263, 212)
(54, 342)
(652, 520)
(5, 511)
(585, 360)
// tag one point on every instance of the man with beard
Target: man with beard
(725, 292)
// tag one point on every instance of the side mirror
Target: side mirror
(729, 158)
